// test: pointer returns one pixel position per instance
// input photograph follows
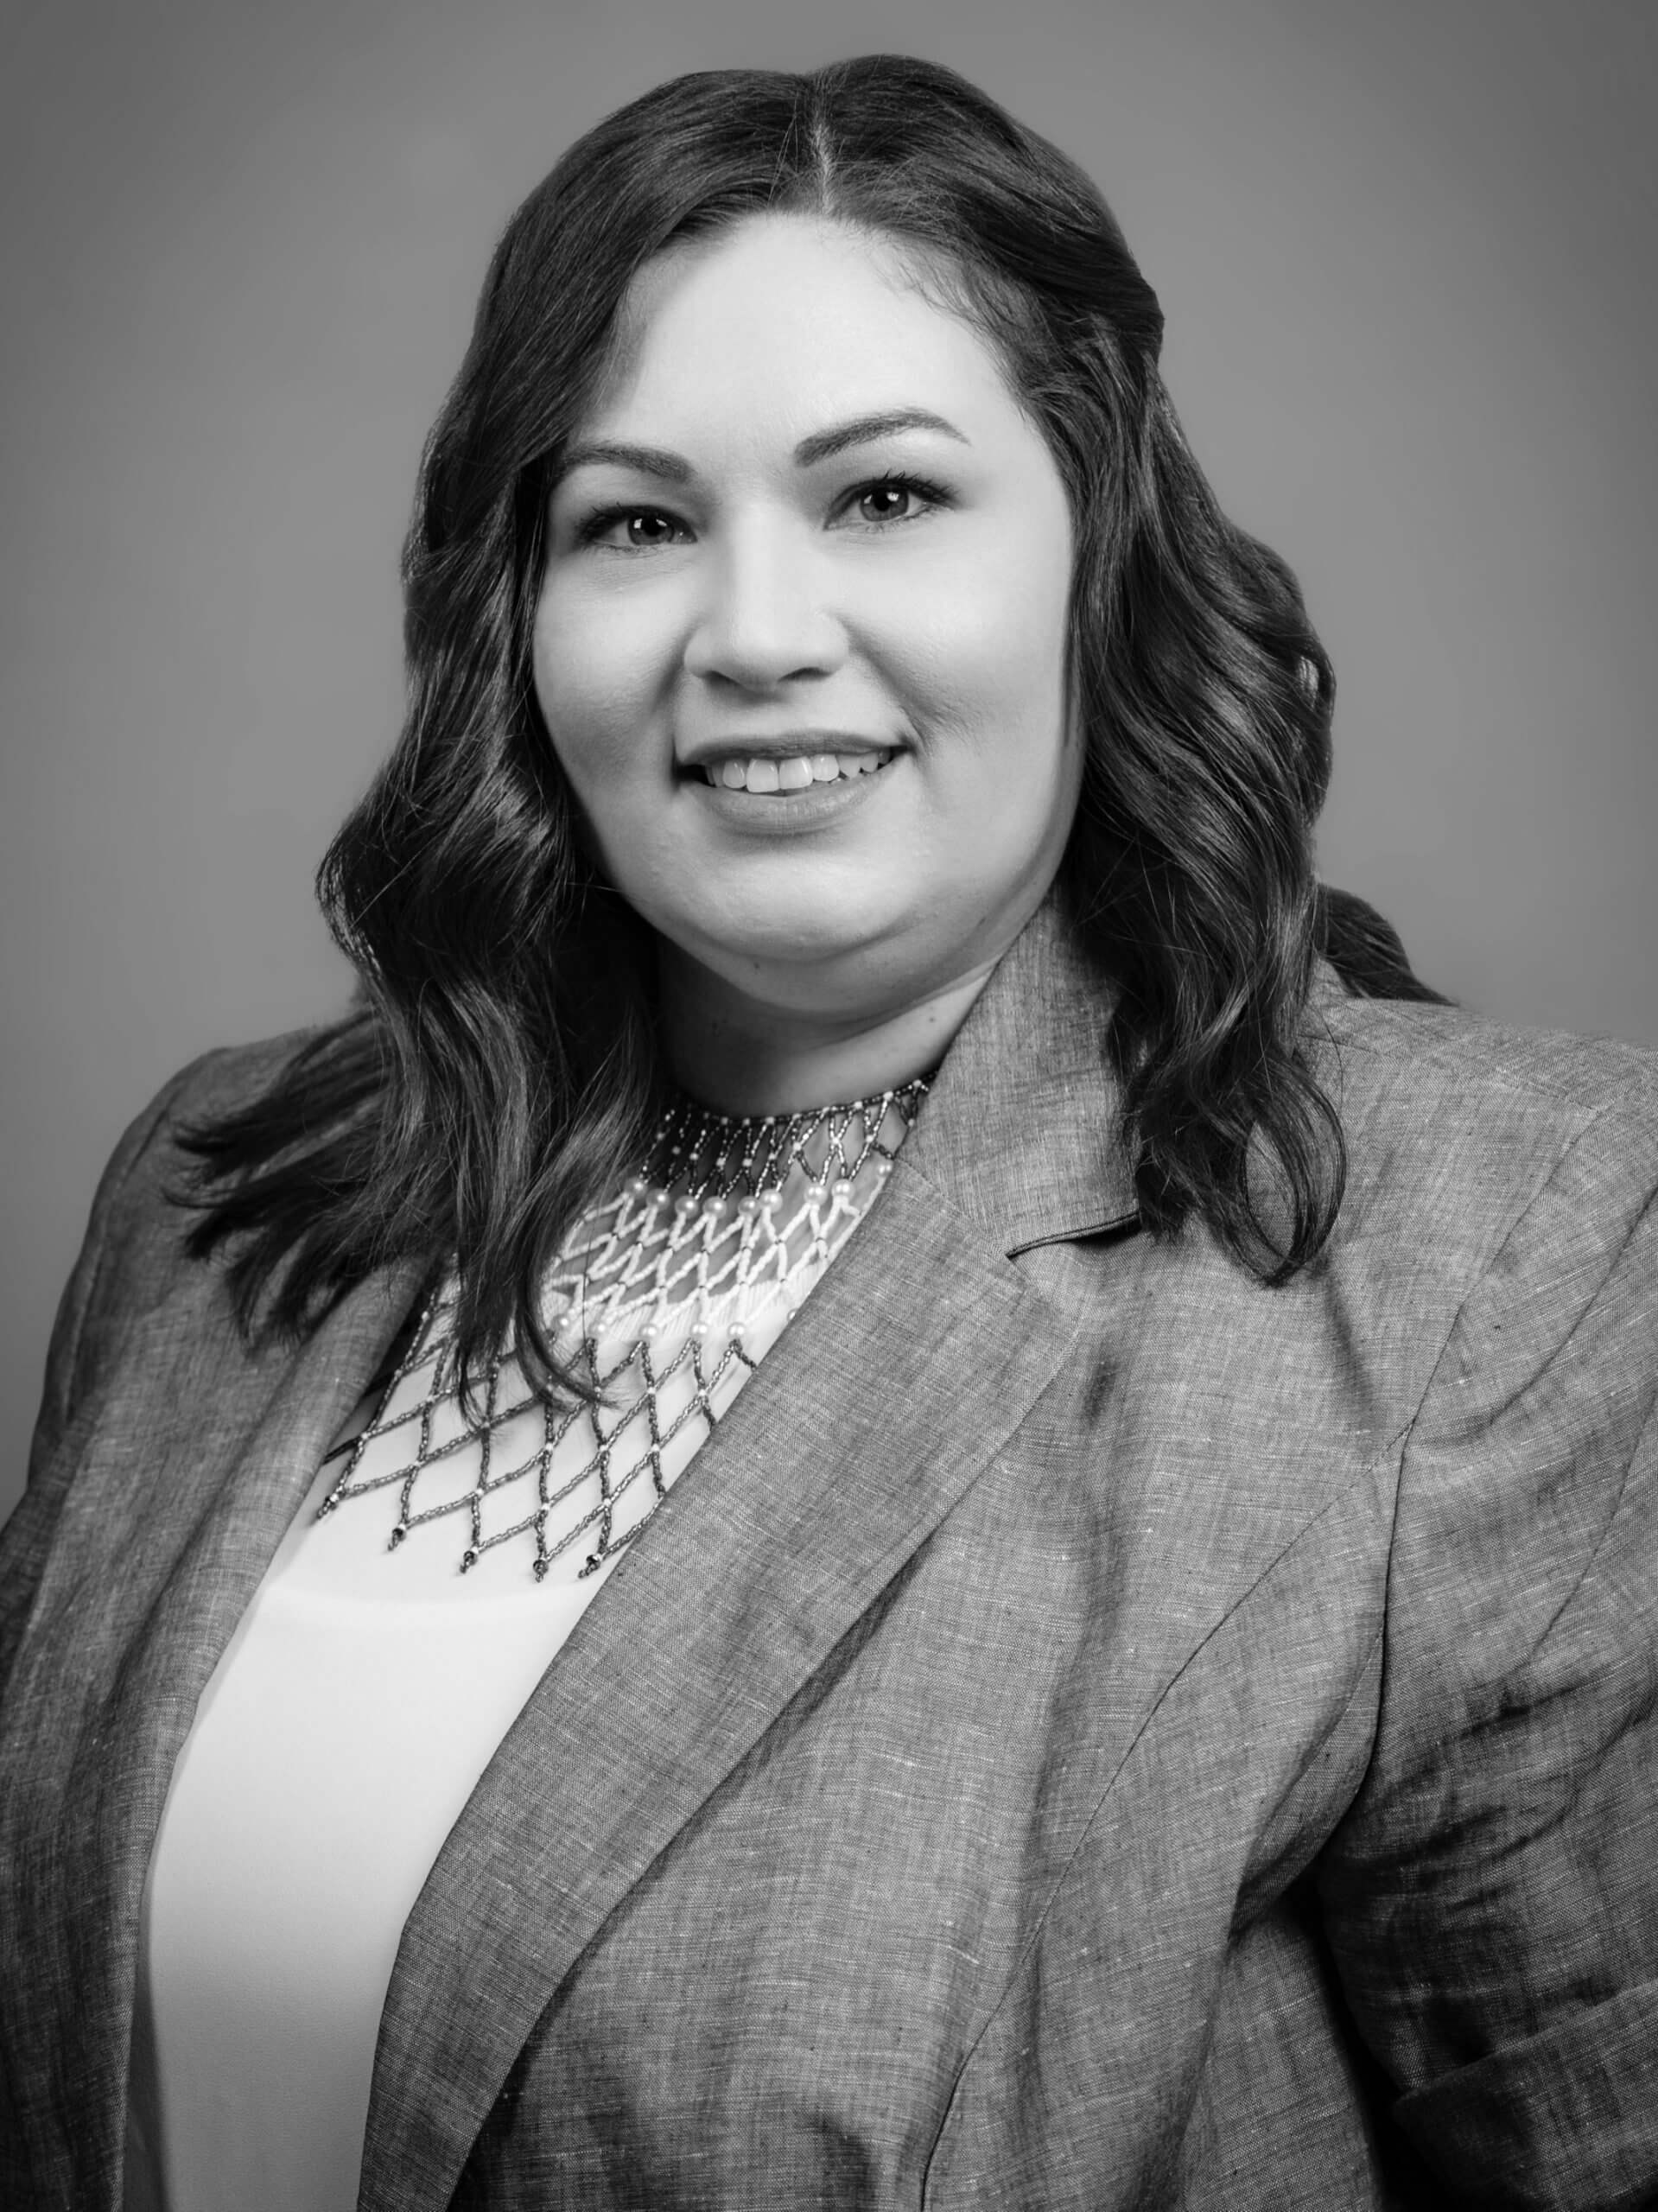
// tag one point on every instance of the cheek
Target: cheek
(988, 667)
(593, 683)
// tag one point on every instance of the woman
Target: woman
(1148, 1698)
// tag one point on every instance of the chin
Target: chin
(811, 935)
(809, 939)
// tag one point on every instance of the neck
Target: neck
(744, 1057)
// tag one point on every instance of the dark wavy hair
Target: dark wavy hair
(501, 1060)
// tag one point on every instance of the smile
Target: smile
(793, 772)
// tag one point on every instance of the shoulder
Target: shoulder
(1396, 1050)
(217, 1082)
(132, 1260)
(1514, 1172)
(229, 1076)
(1457, 1127)
(140, 1214)
(1496, 1246)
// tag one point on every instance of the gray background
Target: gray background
(1405, 254)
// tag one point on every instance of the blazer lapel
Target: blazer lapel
(184, 1492)
(911, 1365)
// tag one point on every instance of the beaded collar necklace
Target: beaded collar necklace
(663, 1299)
(698, 1153)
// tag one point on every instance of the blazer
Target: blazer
(1089, 1729)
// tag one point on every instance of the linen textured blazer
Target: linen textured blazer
(1090, 1729)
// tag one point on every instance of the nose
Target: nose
(765, 618)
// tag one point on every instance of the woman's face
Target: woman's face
(801, 639)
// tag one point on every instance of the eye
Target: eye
(879, 504)
(896, 498)
(644, 529)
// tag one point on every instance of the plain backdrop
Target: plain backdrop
(1406, 255)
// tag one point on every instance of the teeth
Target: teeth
(795, 771)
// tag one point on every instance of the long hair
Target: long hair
(501, 1060)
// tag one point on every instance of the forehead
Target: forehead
(787, 320)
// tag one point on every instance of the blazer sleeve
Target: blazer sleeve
(1492, 1897)
(130, 1181)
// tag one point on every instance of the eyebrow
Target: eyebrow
(822, 445)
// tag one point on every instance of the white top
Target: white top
(365, 1691)
(333, 1749)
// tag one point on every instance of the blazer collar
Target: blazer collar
(1021, 1130)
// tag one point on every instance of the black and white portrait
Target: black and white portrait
(832, 1091)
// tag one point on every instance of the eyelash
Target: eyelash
(933, 494)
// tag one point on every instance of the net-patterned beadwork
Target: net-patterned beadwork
(665, 1297)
